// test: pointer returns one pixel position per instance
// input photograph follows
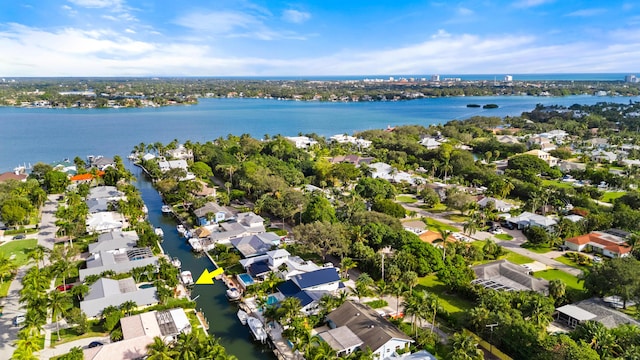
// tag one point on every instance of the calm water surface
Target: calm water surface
(32, 135)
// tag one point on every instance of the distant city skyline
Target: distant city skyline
(322, 38)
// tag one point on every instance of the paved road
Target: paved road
(8, 332)
(66, 347)
(46, 236)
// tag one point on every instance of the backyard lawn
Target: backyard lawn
(556, 183)
(454, 305)
(457, 218)
(553, 274)
(504, 237)
(609, 196)
(17, 248)
(407, 199)
(516, 258)
(537, 249)
(565, 260)
(436, 225)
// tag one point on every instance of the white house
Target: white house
(176, 164)
(530, 219)
(543, 155)
(609, 243)
(342, 138)
(302, 142)
(102, 222)
(500, 205)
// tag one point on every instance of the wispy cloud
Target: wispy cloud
(463, 11)
(587, 12)
(295, 16)
(98, 4)
(531, 3)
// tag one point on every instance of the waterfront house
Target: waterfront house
(106, 292)
(302, 142)
(506, 276)
(593, 309)
(279, 261)
(310, 287)
(106, 221)
(138, 331)
(114, 241)
(342, 340)
(359, 142)
(245, 224)
(109, 193)
(13, 176)
(119, 261)
(177, 164)
(101, 162)
(257, 244)
(375, 332)
(98, 205)
(610, 243)
(212, 213)
(180, 153)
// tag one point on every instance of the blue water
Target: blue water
(32, 135)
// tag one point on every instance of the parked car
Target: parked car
(64, 287)
(597, 259)
(19, 237)
(95, 344)
(18, 320)
(497, 230)
(508, 225)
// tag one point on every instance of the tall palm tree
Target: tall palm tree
(128, 306)
(7, 267)
(58, 303)
(444, 235)
(347, 264)
(411, 279)
(38, 254)
(465, 347)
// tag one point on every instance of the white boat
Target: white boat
(242, 316)
(181, 229)
(186, 278)
(257, 329)
(166, 209)
(159, 231)
(145, 209)
(233, 294)
(177, 263)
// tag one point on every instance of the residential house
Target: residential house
(567, 166)
(279, 261)
(342, 139)
(543, 155)
(342, 340)
(631, 162)
(351, 159)
(592, 309)
(98, 205)
(530, 219)
(86, 178)
(508, 139)
(106, 221)
(431, 236)
(544, 143)
(138, 331)
(599, 143)
(257, 244)
(114, 241)
(385, 171)
(430, 143)
(212, 213)
(507, 276)
(176, 164)
(108, 292)
(603, 156)
(417, 227)
(180, 153)
(13, 176)
(500, 205)
(118, 260)
(65, 166)
(110, 193)
(310, 287)
(245, 224)
(608, 243)
(556, 136)
(302, 142)
(101, 162)
(375, 332)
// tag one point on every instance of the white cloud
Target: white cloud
(295, 16)
(531, 3)
(97, 4)
(587, 12)
(462, 11)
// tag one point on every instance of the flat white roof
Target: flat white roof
(576, 312)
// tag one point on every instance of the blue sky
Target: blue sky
(305, 38)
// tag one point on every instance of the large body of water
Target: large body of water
(29, 135)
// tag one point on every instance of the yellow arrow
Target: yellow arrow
(206, 278)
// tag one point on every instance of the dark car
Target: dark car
(64, 287)
(95, 344)
(19, 237)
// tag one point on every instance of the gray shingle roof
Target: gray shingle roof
(105, 292)
(504, 275)
(364, 322)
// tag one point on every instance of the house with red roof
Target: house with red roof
(610, 243)
(13, 176)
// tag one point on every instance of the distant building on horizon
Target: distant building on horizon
(630, 79)
(508, 78)
(435, 77)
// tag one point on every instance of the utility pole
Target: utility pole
(491, 326)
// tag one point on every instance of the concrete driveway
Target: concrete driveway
(47, 233)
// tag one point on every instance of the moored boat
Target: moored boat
(257, 329)
(186, 277)
(166, 209)
(159, 231)
(181, 229)
(242, 316)
(177, 263)
(233, 294)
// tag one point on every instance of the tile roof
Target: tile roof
(602, 240)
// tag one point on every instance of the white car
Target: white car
(18, 320)
(497, 231)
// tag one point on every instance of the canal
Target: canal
(211, 299)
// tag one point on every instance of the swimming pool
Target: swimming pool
(246, 279)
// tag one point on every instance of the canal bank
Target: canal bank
(210, 299)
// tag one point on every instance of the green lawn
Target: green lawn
(457, 218)
(70, 334)
(436, 225)
(436, 209)
(504, 237)
(407, 199)
(553, 274)
(565, 260)
(556, 183)
(454, 305)
(537, 249)
(516, 258)
(18, 248)
(609, 196)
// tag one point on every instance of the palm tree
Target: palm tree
(411, 279)
(58, 304)
(34, 322)
(80, 291)
(38, 254)
(230, 168)
(159, 350)
(7, 267)
(347, 264)
(289, 308)
(412, 308)
(128, 306)
(444, 235)
(431, 306)
(465, 347)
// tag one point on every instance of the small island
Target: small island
(473, 105)
(490, 106)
